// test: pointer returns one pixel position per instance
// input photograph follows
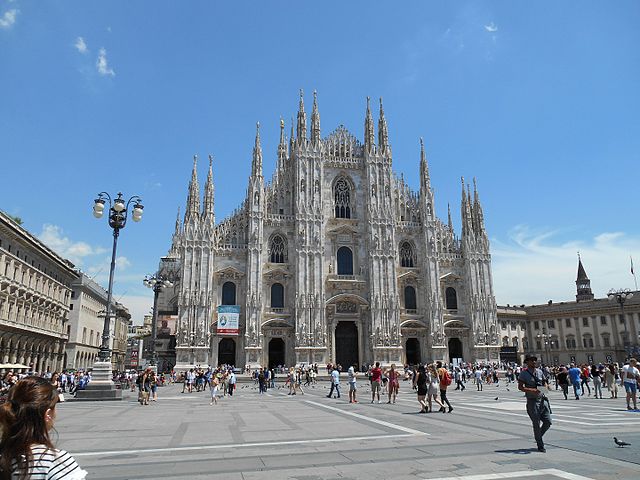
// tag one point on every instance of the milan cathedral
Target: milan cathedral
(335, 260)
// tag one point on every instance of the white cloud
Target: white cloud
(138, 305)
(80, 45)
(76, 252)
(533, 266)
(9, 18)
(492, 27)
(103, 65)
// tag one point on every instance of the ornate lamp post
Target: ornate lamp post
(156, 282)
(545, 338)
(622, 295)
(101, 386)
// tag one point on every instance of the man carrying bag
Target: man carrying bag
(529, 381)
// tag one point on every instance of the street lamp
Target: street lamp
(156, 282)
(622, 295)
(101, 386)
(545, 338)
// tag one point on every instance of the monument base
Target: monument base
(101, 387)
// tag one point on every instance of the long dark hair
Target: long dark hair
(22, 423)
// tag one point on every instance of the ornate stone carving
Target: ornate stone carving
(346, 307)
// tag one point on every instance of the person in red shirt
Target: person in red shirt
(376, 376)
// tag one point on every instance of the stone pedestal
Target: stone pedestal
(101, 387)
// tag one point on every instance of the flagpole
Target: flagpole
(635, 280)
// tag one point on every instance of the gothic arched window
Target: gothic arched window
(277, 250)
(407, 258)
(345, 261)
(229, 293)
(277, 295)
(342, 192)
(410, 298)
(451, 298)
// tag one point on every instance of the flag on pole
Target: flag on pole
(631, 258)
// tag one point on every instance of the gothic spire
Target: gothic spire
(583, 284)
(450, 222)
(207, 211)
(256, 164)
(192, 212)
(315, 121)
(176, 232)
(383, 132)
(301, 132)
(291, 137)
(369, 139)
(465, 213)
(282, 147)
(477, 208)
(425, 182)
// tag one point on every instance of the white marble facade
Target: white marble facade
(335, 259)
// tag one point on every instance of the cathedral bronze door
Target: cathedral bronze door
(276, 352)
(346, 344)
(413, 351)
(227, 352)
(455, 348)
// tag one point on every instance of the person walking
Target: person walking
(630, 376)
(434, 387)
(335, 382)
(353, 388)
(529, 381)
(574, 376)
(445, 380)
(611, 378)
(232, 383)
(478, 375)
(26, 449)
(420, 383)
(585, 378)
(597, 373)
(458, 374)
(562, 379)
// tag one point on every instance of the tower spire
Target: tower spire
(369, 139)
(177, 228)
(450, 222)
(282, 147)
(383, 132)
(301, 132)
(583, 284)
(207, 211)
(315, 120)
(256, 164)
(477, 208)
(192, 212)
(425, 182)
(465, 212)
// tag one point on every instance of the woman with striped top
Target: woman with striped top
(26, 450)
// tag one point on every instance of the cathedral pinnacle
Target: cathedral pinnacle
(207, 211)
(177, 229)
(315, 120)
(256, 164)
(282, 147)
(425, 181)
(301, 132)
(477, 208)
(450, 222)
(383, 131)
(192, 212)
(369, 139)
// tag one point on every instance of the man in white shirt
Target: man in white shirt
(335, 382)
(351, 374)
(630, 374)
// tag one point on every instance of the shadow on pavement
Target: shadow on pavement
(518, 451)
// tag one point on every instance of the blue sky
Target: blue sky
(538, 100)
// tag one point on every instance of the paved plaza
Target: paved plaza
(275, 436)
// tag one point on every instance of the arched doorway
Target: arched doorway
(227, 351)
(276, 352)
(455, 348)
(346, 344)
(413, 351)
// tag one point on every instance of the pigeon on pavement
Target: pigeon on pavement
(620, 443)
